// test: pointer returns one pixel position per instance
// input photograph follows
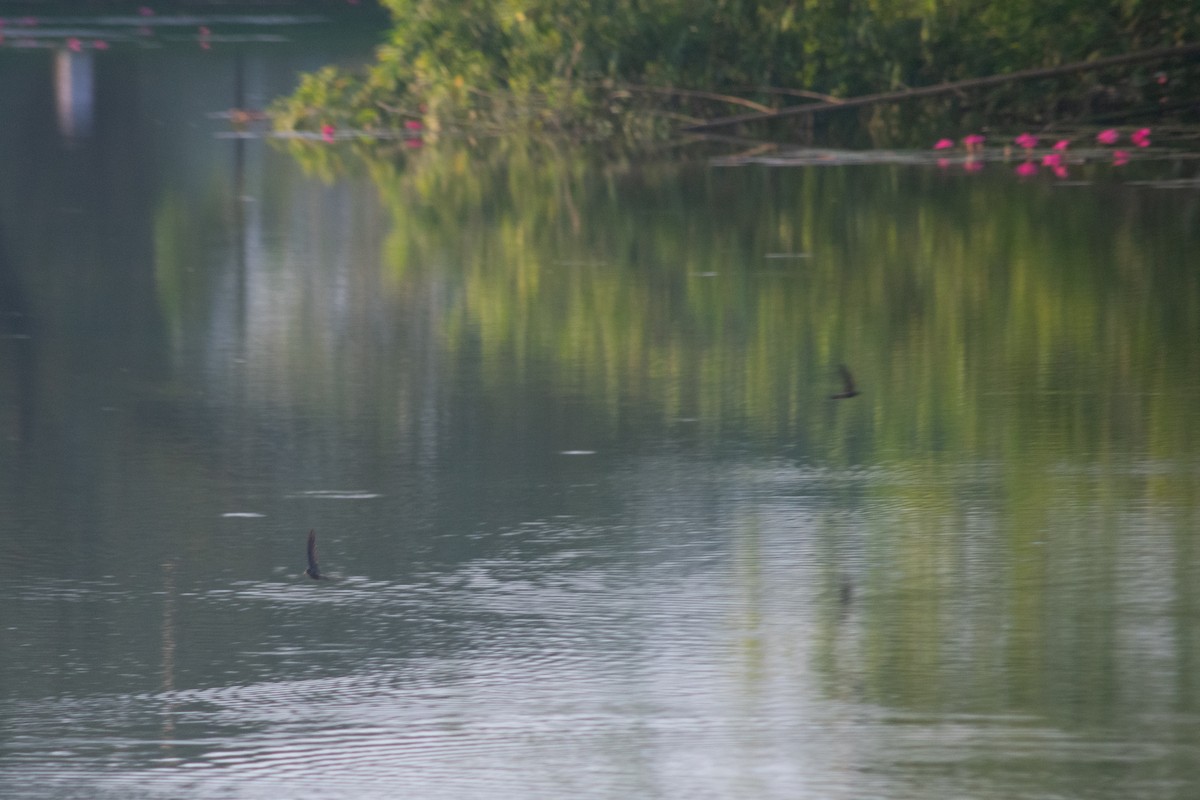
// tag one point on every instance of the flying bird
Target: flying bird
(848, 388)
(313, 570)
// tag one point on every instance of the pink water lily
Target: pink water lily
(1026, 140)
(1062, 144)
(1027, 169)
(1120, 158)
(943, 144)
(1109, 136)
(1052, 160)
(973, 142)
(327, 132)
(1141, 137)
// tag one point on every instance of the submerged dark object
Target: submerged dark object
(848, 388)
(313, 570)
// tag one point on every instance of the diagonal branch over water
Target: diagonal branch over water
(942, 88)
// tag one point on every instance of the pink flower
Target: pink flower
(327, 132)
(1062, 144)
(1052, 160)
(1109, 136)
(1060, 172)
(972, 142)
(74, 45)
(1027, 141)
(100, 44)
(1027, 169)
(413, 125)
(1120, 158)
(1141, 137)
(943, 144)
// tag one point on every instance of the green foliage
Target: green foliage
(563, 65)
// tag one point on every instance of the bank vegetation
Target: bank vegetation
(644, 69)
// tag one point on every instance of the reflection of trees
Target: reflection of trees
(971, 309)
(1025, 351)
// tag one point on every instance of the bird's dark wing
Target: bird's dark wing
(312, 553)
(847, 380)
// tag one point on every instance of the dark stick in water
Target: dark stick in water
(313, 570)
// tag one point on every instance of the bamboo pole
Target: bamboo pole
(941, 88)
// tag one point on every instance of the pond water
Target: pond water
(562, 422)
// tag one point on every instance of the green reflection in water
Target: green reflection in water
(985, 318)
(1025, 438)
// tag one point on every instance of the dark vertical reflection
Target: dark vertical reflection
(17, 329)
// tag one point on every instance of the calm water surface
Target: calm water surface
(562, 424)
